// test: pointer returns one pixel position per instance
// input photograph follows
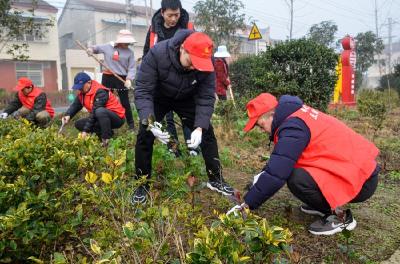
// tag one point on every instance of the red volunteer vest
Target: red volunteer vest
(29, 100)
(337, 158)
(154, 37)
(112, 104)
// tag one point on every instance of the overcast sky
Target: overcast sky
(351, 16)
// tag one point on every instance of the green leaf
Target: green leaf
(59, 258)
(36, 260)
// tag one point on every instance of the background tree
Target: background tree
(391, 80)
(220, 20)
(367, 46)
(323, 33)
(299, 67)
(13, 26)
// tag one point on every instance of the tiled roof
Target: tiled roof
(38, 4)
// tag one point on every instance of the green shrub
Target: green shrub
(389, 153)
(67, 200)
(299, 67)
(372, 104)
(232, 239)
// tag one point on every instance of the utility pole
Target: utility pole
(291, 19)
(290, 5)
(390, 23)
(129, 10)
(377, 35)
(151, 8)
(147, 14)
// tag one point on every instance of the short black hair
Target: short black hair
(171, 4)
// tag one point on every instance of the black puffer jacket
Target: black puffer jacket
(157, 27)
(162, 75)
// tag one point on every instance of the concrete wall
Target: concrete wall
(78, 60)
(110, 30)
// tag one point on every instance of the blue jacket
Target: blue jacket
(293, 138)
(161, 75)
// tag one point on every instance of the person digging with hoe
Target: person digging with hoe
(325, 163)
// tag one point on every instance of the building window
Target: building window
(35, 36)
(32, 70)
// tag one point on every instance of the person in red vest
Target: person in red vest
(165, 23)
(106, 112)
(221, 72)
(324, 162)
(31, 103)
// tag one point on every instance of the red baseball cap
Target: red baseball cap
(258, 106)
(200, 48)
(22, 83)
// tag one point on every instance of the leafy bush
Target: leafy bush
(392, 79)
(67, 200)
(36, 209)
(232, 239)
(372, 104)
(298, 67)
(389, 153)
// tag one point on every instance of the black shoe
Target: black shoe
(332, 224)
(311, 211)
(104, 142)
(221, 187)
(140, 195)
(131, 126)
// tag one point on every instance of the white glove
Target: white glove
(256, 177)
(128, 84)
(163, 137)
(195, 138)
(237, 209)
(89, 51)
(3, 115)
(65, 119)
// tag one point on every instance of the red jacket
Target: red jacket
(337, 158)
(29, 100)
(112, 104)
(222, 76)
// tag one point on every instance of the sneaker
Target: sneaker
(311, 211)
(332, 224)
(221, 187)
(140, 195)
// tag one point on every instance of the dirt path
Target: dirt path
(394, 259)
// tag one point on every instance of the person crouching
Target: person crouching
(30, 103)
(106, 112)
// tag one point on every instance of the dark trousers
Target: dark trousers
(110, 81)
(186, 111)
(171, 128)
(303, 186)
(221, 97)
(105, 121)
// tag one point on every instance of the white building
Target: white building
(43, 65)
